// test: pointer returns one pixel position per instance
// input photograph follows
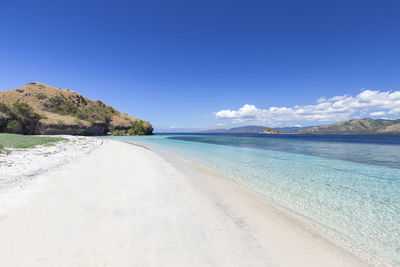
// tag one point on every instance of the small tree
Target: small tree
(138, 128)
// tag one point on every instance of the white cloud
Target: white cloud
(378, 113)
(368, 102)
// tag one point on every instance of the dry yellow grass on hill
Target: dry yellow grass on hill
(68, 112)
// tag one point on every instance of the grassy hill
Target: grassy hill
(36, 108)
(359, 126)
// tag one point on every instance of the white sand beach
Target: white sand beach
(124, 205)
(23, 164)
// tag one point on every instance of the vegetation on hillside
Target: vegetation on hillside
(25, 141)
(137, 128)
(98, 113)
(18, 117)
(41, 96)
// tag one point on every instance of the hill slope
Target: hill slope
(358, 126)
(36, 108)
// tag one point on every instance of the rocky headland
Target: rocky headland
(36, 108)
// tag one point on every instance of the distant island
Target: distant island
(36, 108)
(269, 131)
(354, 126)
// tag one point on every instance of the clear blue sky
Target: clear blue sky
(177, 63)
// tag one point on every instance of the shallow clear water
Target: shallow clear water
(347, 186)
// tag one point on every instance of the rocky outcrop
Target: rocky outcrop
(269, 131)
(95, 129)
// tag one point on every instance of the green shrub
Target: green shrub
(98, 113)
(61, 105)
(110, 109)
(11, 126)
(41, 96)
(18, 114)
(4, 108)
(138, 128)
(118, 133)
(24, 111)
(130, 131)
(94, 114)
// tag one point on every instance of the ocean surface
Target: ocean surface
(346, 186)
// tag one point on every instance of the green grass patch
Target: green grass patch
(26, 141)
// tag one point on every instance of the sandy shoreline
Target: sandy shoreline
(123, 205)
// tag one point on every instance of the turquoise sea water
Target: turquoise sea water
(348, 187)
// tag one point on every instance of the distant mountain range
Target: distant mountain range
(257, 129)
(292, 129)
(243, 129)
(354, 126)
(358, 126)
